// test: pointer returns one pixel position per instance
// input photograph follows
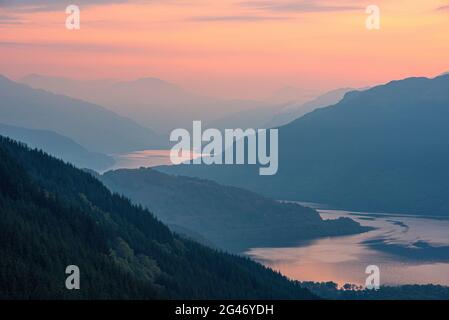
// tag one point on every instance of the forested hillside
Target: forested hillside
(53, 215)
(230, 218)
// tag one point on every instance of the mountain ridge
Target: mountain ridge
(90, 125)
(59, 146)
(381, 150)
(151, 102)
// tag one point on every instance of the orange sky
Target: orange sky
(232, 48)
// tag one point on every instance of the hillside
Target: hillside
(53, 215)
(384, 149)
(230, 218)
(92, 126)
(58, 146)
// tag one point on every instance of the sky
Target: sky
(227, 48)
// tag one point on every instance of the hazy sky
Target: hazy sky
(245, 48)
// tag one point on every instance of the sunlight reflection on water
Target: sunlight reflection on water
(147, 158)
(344, 259)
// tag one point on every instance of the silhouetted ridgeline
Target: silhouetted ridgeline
(53, 215)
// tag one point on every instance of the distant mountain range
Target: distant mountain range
(383, 149)
(59, 146)
(279, 114)
(229, 218)
(53, 215)
(163, 106)
(151, 102)
(253, 118)
(89, 125)
(290, 94)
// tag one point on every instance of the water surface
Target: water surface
(147, 158)
(407, 249)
